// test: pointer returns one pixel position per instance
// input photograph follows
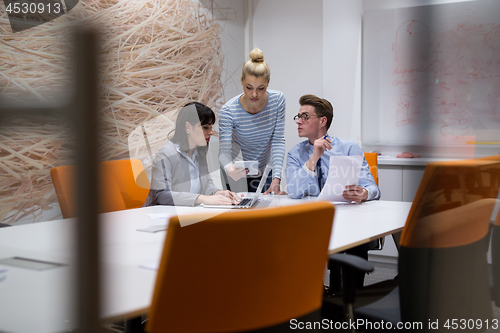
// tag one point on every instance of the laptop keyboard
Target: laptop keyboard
(245, 202)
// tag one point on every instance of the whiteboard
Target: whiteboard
(431, 74)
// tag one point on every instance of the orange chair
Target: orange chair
(442, 260)
(123, 185)
(449, 238)
(242, 271)
(371, 159)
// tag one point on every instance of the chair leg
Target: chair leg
(349, 314)
(134, 325)
(349, 281)
(335, 285)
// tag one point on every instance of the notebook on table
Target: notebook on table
(247, 202)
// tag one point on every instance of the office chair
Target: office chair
(241, 271)
(372, 160)
(495, 257)
(442, 261)
(123, 185)
(495, 236)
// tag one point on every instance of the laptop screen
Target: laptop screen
(262, 181)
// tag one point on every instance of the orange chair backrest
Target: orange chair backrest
(131, 179)
(240, 271)
(371, 159)
(118, 187)
(453, 204)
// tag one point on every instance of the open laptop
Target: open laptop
(247, 202)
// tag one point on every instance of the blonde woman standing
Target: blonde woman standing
(254, 123)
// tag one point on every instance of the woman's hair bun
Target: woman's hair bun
(257, 55)
(256, 66)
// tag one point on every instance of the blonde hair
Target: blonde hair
(256, 66)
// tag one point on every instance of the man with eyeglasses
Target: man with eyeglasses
(308, 162)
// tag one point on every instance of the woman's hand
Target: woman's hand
(275, 187)
(228, 194)
(236, 174)
(213, 200)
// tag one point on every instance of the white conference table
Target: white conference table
(42, 301)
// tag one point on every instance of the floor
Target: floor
(383, 271)
(388, 270)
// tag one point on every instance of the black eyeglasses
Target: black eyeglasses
(304, 116)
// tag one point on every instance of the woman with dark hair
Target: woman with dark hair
(180, 173)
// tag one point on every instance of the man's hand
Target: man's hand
(355, 193)
(275, 187)
(236, 174)
(320, 146)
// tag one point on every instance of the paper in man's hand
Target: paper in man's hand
(343, 171)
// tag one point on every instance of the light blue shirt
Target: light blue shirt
(303, 182)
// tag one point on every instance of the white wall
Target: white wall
(342, 54)
(289, 32)
(342, 65)
(231, 15)
(315, 47)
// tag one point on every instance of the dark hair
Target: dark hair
(192, 113)
(322, 107)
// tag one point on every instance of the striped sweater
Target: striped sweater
(260, 136)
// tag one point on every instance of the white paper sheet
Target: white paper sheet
(343, 171)
(160, 216)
